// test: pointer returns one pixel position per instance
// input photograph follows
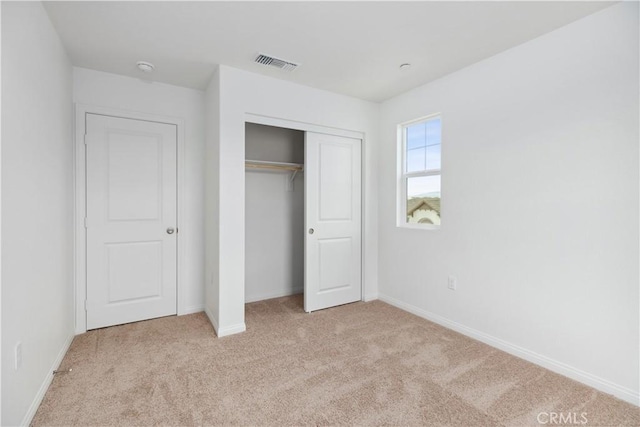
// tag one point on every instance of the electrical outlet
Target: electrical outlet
(18, 357)
(452, 283)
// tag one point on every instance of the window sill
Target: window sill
(419, 226)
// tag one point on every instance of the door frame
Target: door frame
(309, 127)
(80, 202)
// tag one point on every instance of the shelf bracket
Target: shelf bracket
(293, 168)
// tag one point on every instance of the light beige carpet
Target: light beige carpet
(359, 364)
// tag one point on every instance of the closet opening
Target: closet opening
(274, 213)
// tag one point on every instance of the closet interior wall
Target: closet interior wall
(274, 214)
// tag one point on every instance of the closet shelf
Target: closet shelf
(261, 164)
(294, 168)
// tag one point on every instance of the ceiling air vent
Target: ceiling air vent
(275, 62)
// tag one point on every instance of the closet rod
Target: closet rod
(261, 164)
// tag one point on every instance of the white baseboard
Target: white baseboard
(370, 297)
(227, 330)
(191, 310)
(270, 295)
(561, 368)
(212, 319)
(37, 400)
(230, 330)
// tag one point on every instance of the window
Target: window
(420, 144)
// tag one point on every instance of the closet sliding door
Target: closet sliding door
(333, 251)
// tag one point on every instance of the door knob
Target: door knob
(311, 231)
(170, 230)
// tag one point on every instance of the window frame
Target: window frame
(403, 176)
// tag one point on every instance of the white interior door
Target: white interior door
(332, 221)
(131, 220)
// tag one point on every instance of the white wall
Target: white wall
(539, 202)
(212, 199)
(0, 222)
(37, 206)
(241, 93)
(109, 90)
(274, 217)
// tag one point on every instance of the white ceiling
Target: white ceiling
(353, 48)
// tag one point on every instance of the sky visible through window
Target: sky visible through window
(423, 154)
(423, 186)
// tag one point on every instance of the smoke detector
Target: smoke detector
(272, 61)
(147, 67)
